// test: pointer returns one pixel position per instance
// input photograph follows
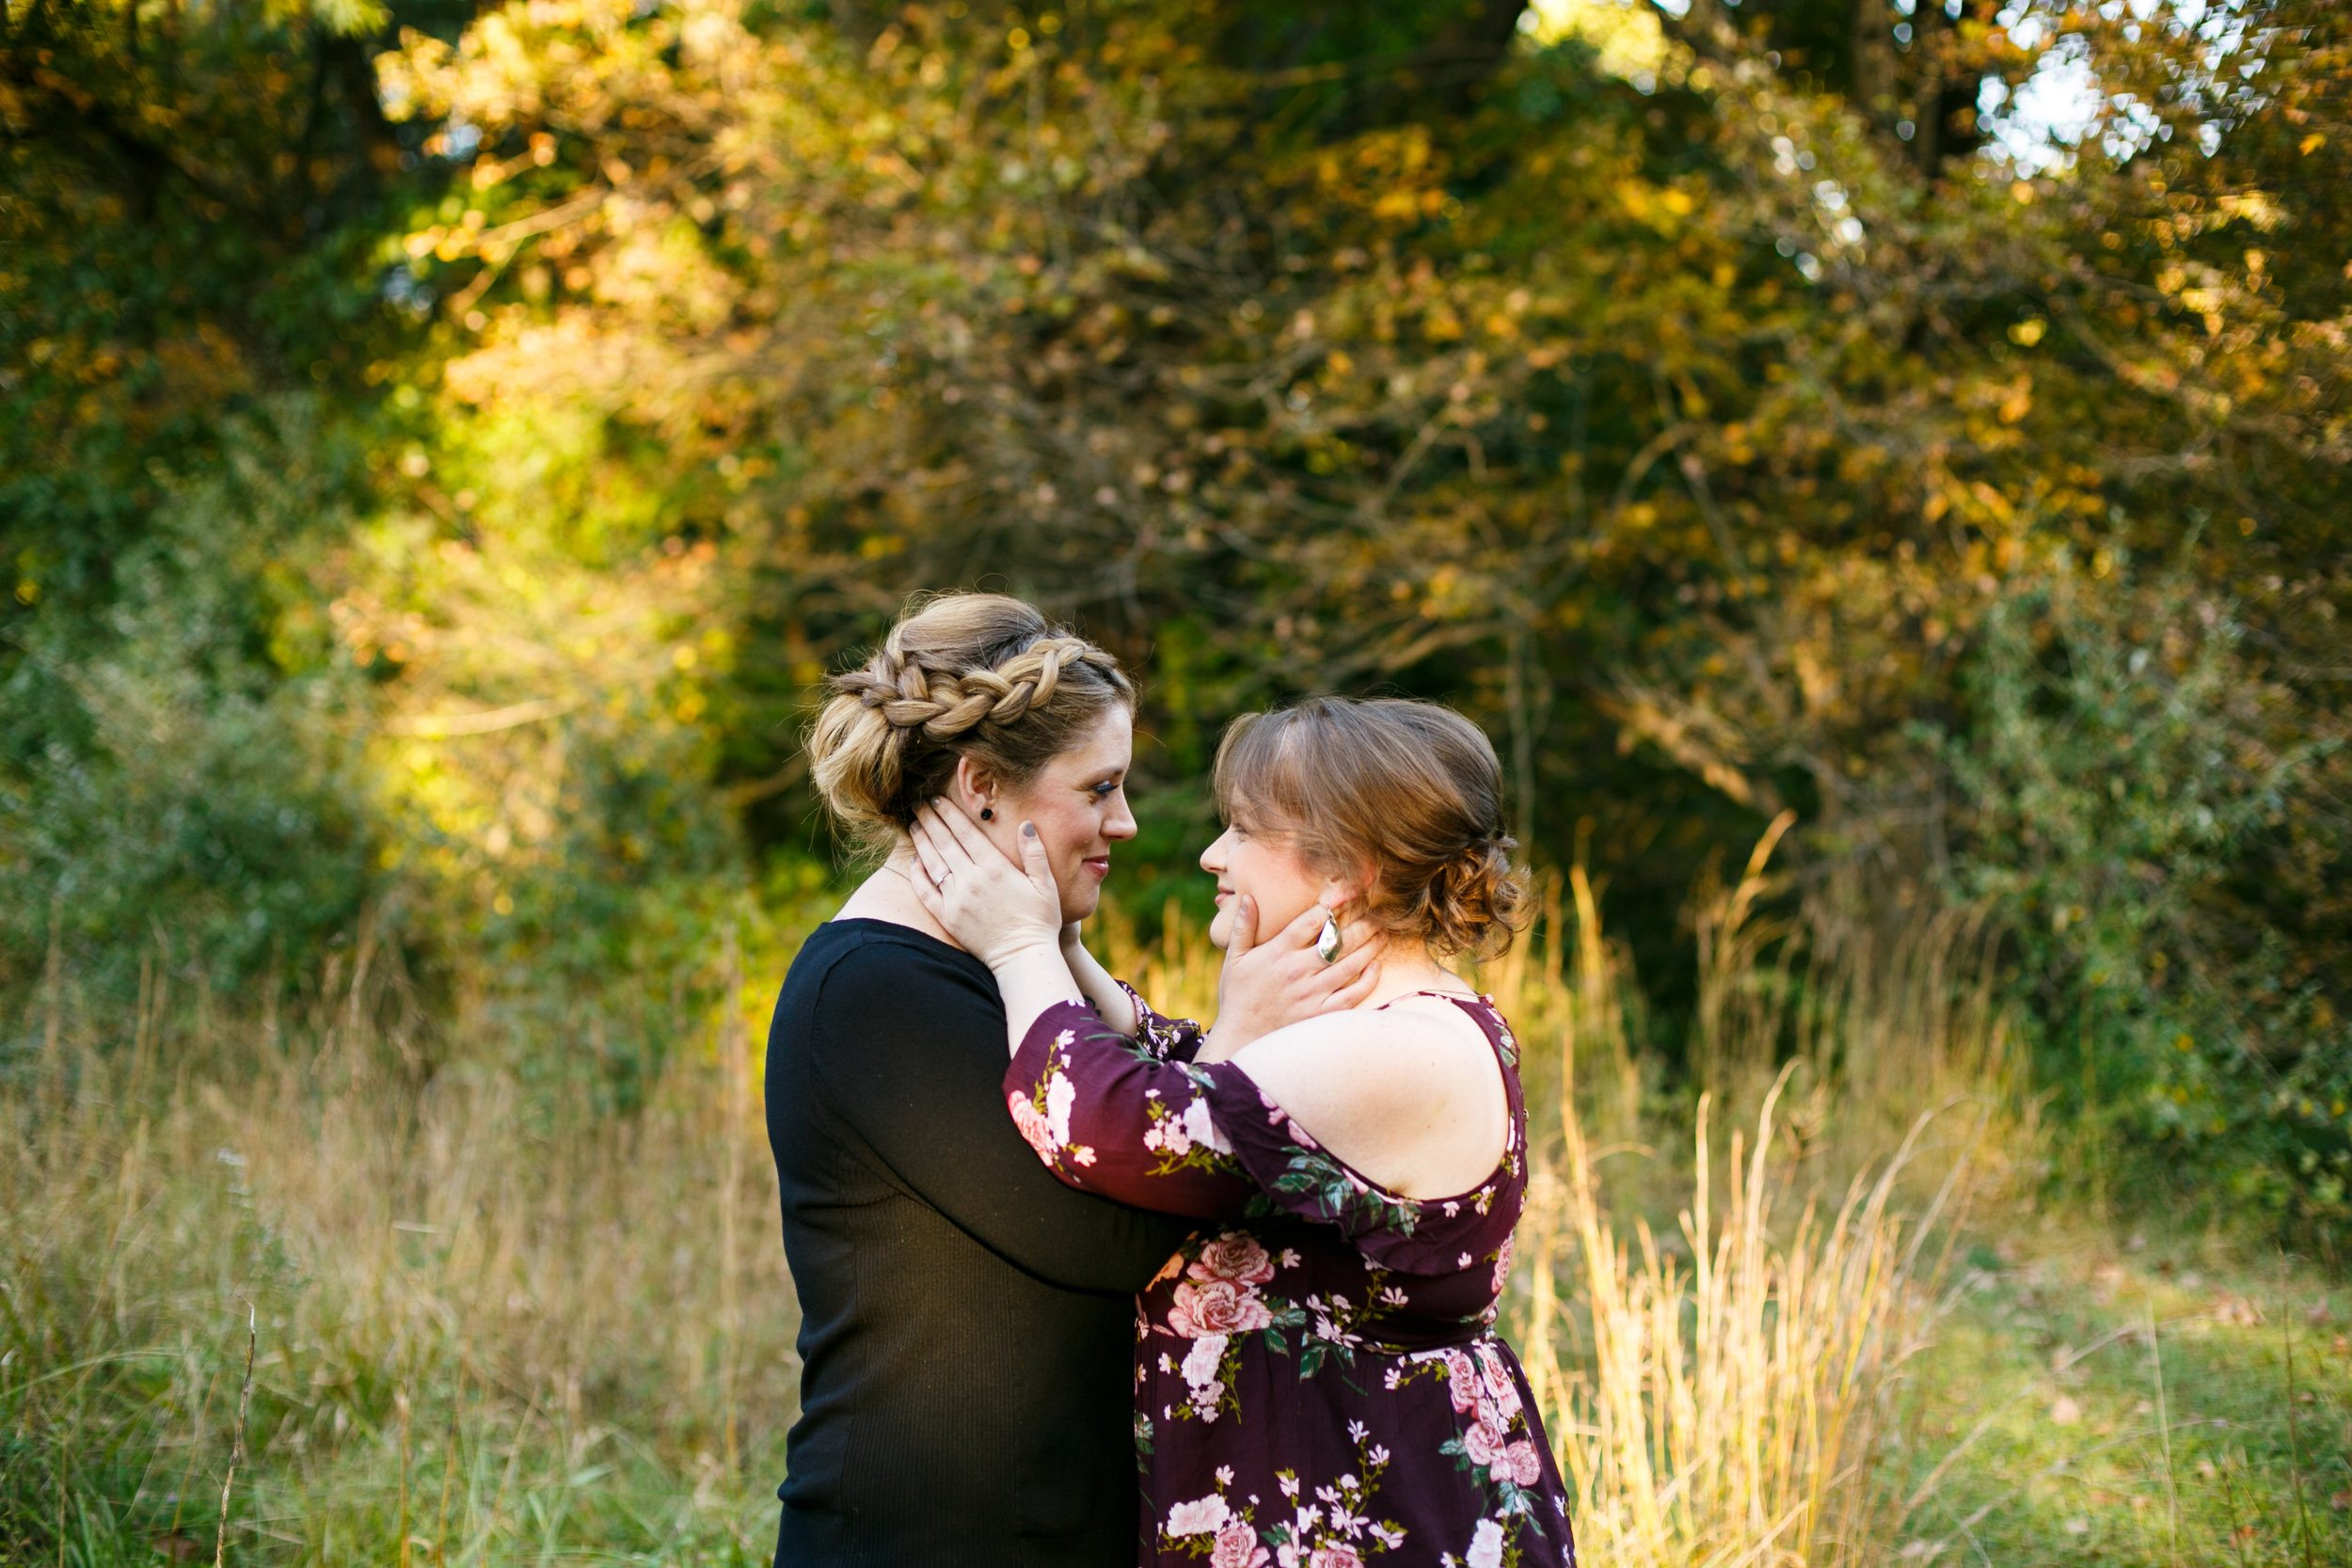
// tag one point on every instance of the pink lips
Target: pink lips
(1099, 864)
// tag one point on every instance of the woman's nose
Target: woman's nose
(1212, 858)
(1120, 824)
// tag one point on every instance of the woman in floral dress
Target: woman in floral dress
(1318, 1379)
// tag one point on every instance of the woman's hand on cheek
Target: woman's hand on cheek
(1281, 981)
(990, 905)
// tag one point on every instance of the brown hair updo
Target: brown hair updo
(965, 674)
(1408, 791)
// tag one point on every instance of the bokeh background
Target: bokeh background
(1875, 467)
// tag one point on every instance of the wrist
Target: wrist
(1221, 1043)
(1019, 946)
(1029, 957)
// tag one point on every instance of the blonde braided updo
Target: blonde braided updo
(965, 674)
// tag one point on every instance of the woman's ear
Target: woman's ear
(974, 786)
(1345, 893)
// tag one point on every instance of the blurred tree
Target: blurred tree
(1915, 69)
(178, 195)
(1630, 379)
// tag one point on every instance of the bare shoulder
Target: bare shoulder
(1389, 1089)
(1355, 1039)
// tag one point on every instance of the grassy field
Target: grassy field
(1837, 1321)
(2131, 1395)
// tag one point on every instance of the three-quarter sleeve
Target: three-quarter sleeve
(1174, 1039)
(1111, 1116)
(1108, 1115)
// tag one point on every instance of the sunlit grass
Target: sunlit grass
(2090, 1400)
(1827, 1324)
(492, 1327)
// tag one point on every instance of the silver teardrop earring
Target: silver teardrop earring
(1327, 940)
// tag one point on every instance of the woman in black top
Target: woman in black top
(967, 1321)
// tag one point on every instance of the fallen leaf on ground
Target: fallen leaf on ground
(2238, 1310)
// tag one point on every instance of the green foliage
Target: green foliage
(2123, 762)
(179, 192)
(166, 775)
(1636, 381)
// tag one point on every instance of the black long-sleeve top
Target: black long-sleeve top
(966, 1320)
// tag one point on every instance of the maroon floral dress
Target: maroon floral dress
(1318, 1379)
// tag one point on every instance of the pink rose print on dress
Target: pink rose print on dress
(1484, 1444)
(1216, 1306)
(1200, 1364)
(1500, 1388)
(1520, 1463)
(1237, 1547)
(1060, 1095)
(1039, 1135)
(1204, 1516)
(1236, 1258)
(1200, 1126)
(1462, 1380)
(1325, 1394)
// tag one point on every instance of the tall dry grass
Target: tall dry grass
(1722, 1393)
(1723, 1411)
(496, 1325)
(493, 1324)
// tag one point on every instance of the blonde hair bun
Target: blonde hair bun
(982, 676)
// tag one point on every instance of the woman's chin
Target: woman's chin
(1080, 903)
(1221, 930)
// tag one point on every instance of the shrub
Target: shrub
(2127, 771)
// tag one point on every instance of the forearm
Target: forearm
(1030, 980)
(1218, 1045)
(1114, 1119)
(1109, 997)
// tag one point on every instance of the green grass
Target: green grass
(494, 1331)
(2129, 1400)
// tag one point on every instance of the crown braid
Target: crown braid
(944, 707)
(977, 678)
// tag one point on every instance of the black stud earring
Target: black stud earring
(988, 814)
